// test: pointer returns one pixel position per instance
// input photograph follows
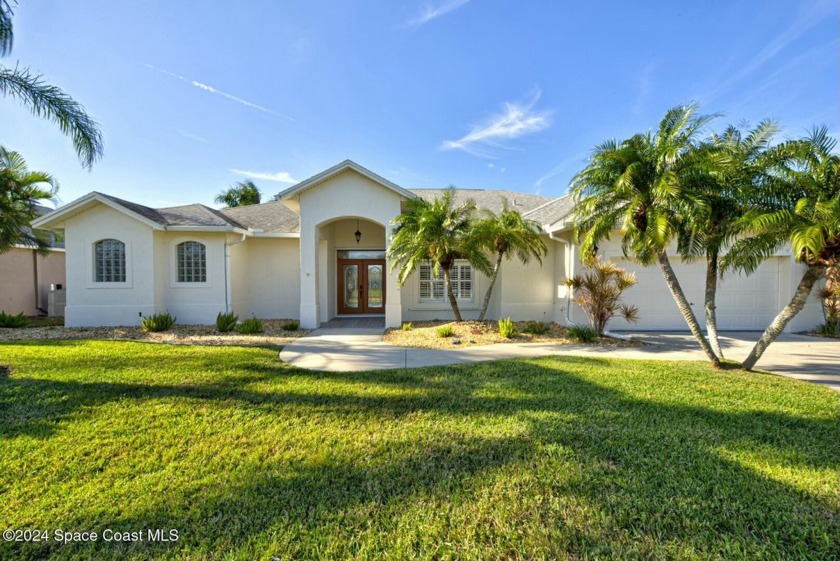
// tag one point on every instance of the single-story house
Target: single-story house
(320, 251)
(27, 278)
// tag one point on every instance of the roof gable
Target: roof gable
(186, 217)
(319, 178)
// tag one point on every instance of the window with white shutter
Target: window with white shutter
(432, 287)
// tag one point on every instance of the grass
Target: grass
(572, 458)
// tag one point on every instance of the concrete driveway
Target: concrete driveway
(814, 359)
(341, 350)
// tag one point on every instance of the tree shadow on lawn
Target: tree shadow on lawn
(655, 478)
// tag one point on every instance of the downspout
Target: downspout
(570, 261)
(228, 287)
(35, 277)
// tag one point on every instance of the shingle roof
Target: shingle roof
(273, 217)
(490, 200)
(197, 215)
(552, 211)
(143, 211)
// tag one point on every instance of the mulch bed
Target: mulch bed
(177, 334)
(423, 334)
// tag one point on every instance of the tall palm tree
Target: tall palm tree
(506, 235)
(639, 186)
(47, 101)
(799, 203)
(20, 191)
(242, 194)
(727, 167)
(436, 231)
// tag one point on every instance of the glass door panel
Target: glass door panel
(350, 289)
(375, 294)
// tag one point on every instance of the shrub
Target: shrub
(293, 325)
(536, 328)
(226, 321)
(406, 326)
(599, 291)
(506, 328)
(157, 322)
(10, 321)
(445, 331)
(582, 333)
(250, 326)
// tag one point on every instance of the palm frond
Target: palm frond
(50, 102)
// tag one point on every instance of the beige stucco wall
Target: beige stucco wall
(271, 280)
(90, 303)
(19, 269)
(190, 303)
(346, 195)
(692, 280)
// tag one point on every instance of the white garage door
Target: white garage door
(746, 303)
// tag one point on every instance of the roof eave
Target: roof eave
(50, 220)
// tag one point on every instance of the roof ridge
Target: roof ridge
(552, 201)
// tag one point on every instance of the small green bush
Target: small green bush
(226, 321)
(157, 322)
(250, 326)
(829, 329)
(445, 331)
(293, 325)
(406, 326)
(506, 328)
(536, 328)
(582, 333)
(10, 321)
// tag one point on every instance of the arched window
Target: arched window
(192, 262)
(109, 261)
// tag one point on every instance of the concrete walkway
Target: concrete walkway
(343, 350)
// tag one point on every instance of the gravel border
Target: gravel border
(176, 335)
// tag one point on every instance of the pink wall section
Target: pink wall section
(18, 271)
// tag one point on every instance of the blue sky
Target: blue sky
(475, 93)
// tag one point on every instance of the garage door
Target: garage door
(747, 303)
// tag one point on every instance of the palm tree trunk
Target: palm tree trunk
(710, 305)
(685, 308)
(447, 278)
(800, 297)
(486, 303)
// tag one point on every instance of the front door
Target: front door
(361, 286)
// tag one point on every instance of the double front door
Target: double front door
(361, 286)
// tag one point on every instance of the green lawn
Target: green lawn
(554, 458)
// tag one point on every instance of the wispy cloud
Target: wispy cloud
(212, 90)
(518, 119)
(813, 14)
(193, 136)
(279, 177)
(569, 166)
(430, 11)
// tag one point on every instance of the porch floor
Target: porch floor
(377, 322)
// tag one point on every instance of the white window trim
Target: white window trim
(173, 264)
(434, 303)
(90, 258)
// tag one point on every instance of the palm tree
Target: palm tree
(436, 231)
(727, 166)
(242, 194)
(638, 185)
(20, 191)
(799, 203)
(47, 101)
(506, 235)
